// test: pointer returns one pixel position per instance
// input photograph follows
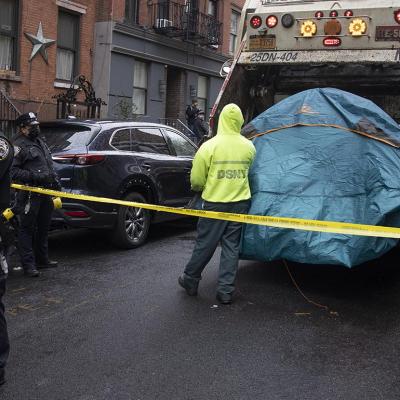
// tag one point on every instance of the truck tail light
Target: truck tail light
(255, 22)
(348, 13)
(287, 20)
(79, 159)
(332, 42)
(397, 16)
(272, 21)
(319, 15)
(333, 14)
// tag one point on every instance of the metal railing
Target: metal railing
(8, 114)
(179, 20)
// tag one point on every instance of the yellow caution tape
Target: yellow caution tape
(344, 228)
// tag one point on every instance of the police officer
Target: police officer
(6, 156)
(33, 166)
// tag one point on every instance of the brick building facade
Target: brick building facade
(143, 57)
(153, 58)
(32, 83)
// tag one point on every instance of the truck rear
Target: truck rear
(290, 46)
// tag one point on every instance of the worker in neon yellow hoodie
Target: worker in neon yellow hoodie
(220, 172)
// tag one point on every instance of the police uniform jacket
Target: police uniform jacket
(6, 157)
(32, 163)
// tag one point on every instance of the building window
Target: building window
(202, 93)
(67, 45)
(8, 34)
(212, 8)
(235, 16)
(132, 11)
(139, 88)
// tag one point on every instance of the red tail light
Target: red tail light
(272, 21)
(348, 13)
(79, 159)
(319, 15)
(333, 14)
(76, 214)
(332, 42)
(397, 16)
(255, 22)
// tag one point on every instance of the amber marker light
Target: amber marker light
(357, 27)
(308, 28)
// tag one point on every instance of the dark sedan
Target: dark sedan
(137, 161)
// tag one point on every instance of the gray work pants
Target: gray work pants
(210, 232)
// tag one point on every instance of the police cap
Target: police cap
(27, 119)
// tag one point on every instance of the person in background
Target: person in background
(200, 127)
(191, 114)
(6, 157)
(33, 166)
(220, 171)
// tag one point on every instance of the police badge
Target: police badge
(4, 149)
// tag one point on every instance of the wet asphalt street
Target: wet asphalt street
(112, 324)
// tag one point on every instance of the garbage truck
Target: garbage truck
(287, 46)
(318, 85)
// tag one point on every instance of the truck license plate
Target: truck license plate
(262, 42)
(387, 33)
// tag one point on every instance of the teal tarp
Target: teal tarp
(326, 173)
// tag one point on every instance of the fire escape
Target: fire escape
(184, 21)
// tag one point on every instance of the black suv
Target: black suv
(137, 161)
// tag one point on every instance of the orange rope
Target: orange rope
(389, 142)
(300, 291)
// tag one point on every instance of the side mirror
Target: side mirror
(226, 67)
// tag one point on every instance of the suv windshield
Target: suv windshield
(66, 137)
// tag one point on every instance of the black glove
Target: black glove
(41, 178)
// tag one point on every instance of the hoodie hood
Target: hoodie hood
(230, 120)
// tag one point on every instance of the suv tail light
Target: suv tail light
(76, 214)
(79, 159)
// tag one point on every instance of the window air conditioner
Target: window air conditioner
(163, 23)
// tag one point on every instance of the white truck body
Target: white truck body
(351, 45)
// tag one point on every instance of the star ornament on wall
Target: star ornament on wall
(40, 43)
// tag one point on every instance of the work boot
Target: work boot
(47, 264)
(2, 376)
(191, 291)
(32, 272)
(224, 298)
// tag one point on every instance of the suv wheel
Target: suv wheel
(132, 224)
